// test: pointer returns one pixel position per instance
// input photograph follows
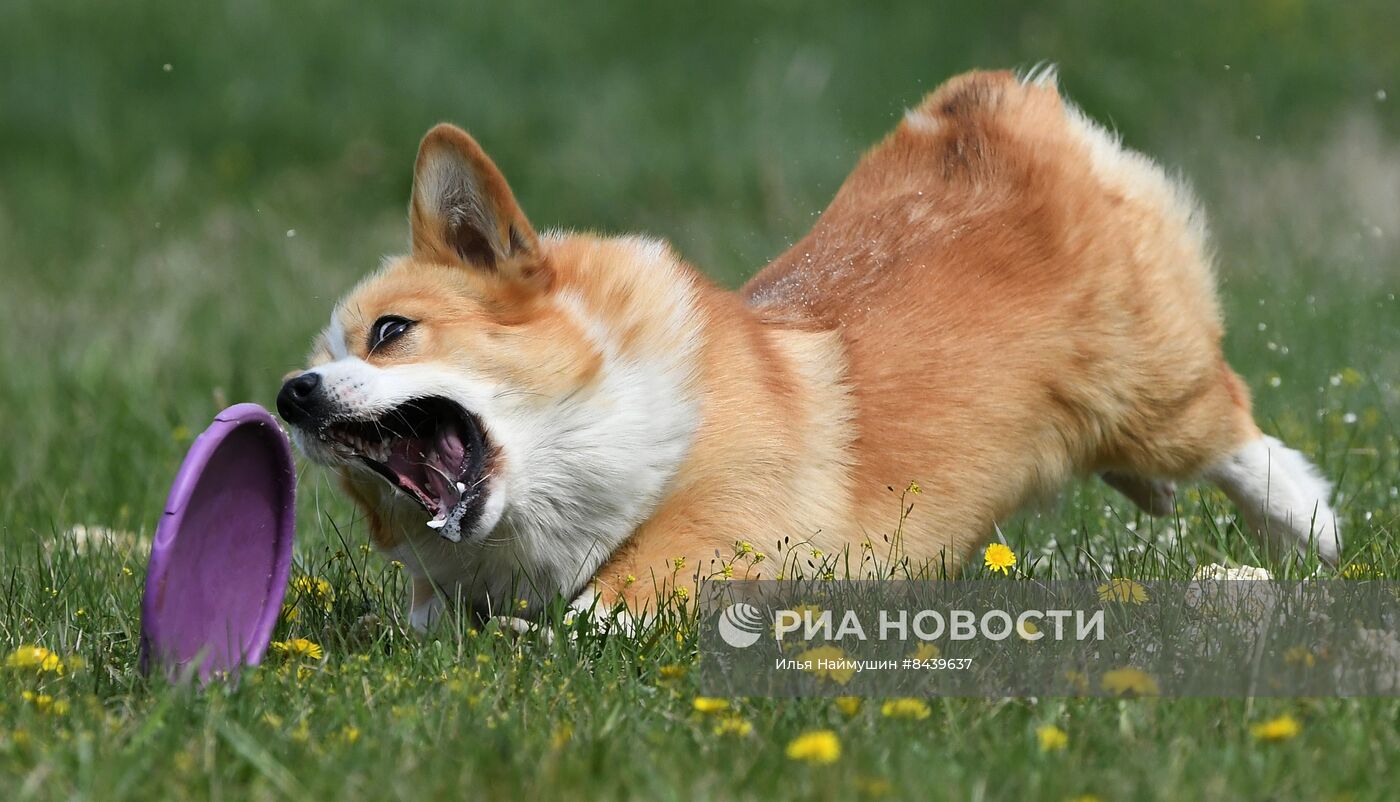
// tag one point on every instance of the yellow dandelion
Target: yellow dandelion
(913, 489)
(1360, 571)
(299, 647)
(848, 705)
(999, 558)
(561, 736)
(1128, 680)
(1078, 680)
(829, 662)
(926, 651)
(45, 703)
(313, 587)
(905, 708)
(291, 613)
(1300, 656)
(820, 747)
(521, 604)
(708, 704)
(629, 579)
(1276, 729)
(733, 725)
(350, 733)
(1119, 589)
(874, 786)
(1051, 738)
(315, 590)
(673, 671)
(35, 658)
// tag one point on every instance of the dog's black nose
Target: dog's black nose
(300, 400)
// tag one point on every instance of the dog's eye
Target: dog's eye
(387, 329)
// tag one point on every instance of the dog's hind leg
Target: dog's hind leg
(1155, 497)
(1212, 435)
(1282, 496)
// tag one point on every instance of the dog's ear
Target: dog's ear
(462, 208)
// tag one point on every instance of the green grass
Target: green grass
(172, 238)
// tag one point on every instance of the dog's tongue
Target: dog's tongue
(444, 469)
(451, 450)
(431, 469)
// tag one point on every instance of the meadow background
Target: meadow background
(185, 188)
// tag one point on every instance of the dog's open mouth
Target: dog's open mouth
(430, 449)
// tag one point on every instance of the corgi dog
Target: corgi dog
(999, 298)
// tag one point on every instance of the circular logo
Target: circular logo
(740, 625)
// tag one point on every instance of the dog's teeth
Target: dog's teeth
(461, 488)
(437, 523)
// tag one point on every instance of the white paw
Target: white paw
(519, 626)
(426, 615)
(1327, 539)
(604, 620)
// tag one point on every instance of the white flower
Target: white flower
(1218, 571)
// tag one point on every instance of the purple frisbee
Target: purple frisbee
(222, 550)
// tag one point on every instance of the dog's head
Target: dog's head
(476, 377)
(404, 381)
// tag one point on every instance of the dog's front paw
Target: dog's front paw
(425, 616)
(519, 626)
(600, 617)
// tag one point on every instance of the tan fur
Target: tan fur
(997, 299)
(1012, 314)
